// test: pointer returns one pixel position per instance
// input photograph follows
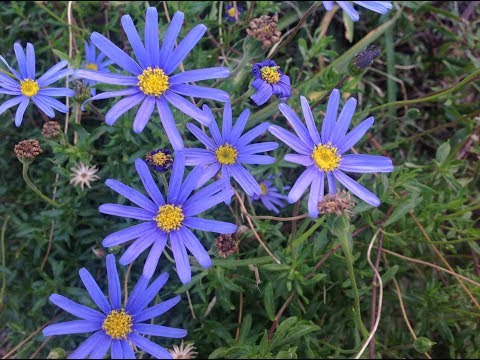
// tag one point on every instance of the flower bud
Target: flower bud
(27, 150)
(82, 92)
(423, 344)
(363, 60)
(57, 353)
(51, 129)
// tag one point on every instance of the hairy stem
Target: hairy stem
(35, 189)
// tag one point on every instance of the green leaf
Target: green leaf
(442, 152)
(269, 301)
(400, 211)
(389, 274)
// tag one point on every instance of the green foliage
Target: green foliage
(428, 47)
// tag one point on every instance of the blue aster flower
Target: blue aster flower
(152, 81)
(94, 63)
(231, 14)
(270, 197)
(116, 327)
(269, 80)
(162, 219)
(27, 87)
(323, 156)
(229, 150)
(380, 7)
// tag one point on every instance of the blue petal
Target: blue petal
(57, 76)
(186, 107)
(227, 122)
(117, 55)
(360, 163)
(30, 61)
(204, 193)
(380, 7)
(110, 94)
(138, 246)
(208, 174)
(193, 208)
(213, 126)
(127, 350)
(299, 159)
(256, 159)
(200, 92)
(20, 111)
(199, 75)
(95, 293)
(201, 136)
(291, 140)
(328, 5)
(143, 114)
(169, 125)
(152, 44)
(193, 245)
(129, 233)
(256, 148)
(182, 263)
(76, 309)
(114, 291)
(356, 188)
(330, 116)
(184, 48)
(301, 185)
(156, 310)
(316, 192)
(189, 184)
(137, 293)
(87, 346)
(175, 183)
(265, 92)
(135, 41)
(108, 78)
(51, 72)
(355, 135)
(150, 292)
(332, 188)
(295, 123)
(216, 226)
(154, 255)
(348, 8)
(102, 347)
(148, 182)
(56, 92)
(149, 346)
(245, 179)
(12, 70)
(126, 211)
(239, 125)
(72, 327)
(9, 83)
(344, 120)
(170, 38)
(11, 102)
(54, 103)
(248, 137)
(42, 105)
(22, 62)
(310, 121)
(117, 351)
(122, 106)
(195, 157)
(159, 330)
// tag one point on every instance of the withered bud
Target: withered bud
(98, 252)
(226, 245)
(82, 92)
(51, 129)
(363, 60)
(264, 29)
(336, 204)
(27, 150)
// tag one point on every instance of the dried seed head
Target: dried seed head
(363, 60)
(226, 245)
(183, 351)
(264, 29)
(336, 204)
(51, 129)
(27, 150)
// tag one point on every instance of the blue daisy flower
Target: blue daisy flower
(94, 63)
(270, 197)
(152, 81)
(116, 327)
(324, 155)
(26, 88)
(380, 7)
(229, 150)
(162, 219)
(231, 14)
(269, 80)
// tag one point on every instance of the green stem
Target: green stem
(432, 97)
(35, 189)
(4, 274)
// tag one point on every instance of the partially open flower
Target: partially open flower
(336, 203)
(183, 352)
(226, 245)
(82, 175)
(27, 150)
(51, 129)
(264, 29)
(160, 159)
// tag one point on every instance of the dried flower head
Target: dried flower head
(363, 60)
(82, 175)
(27, 150)
(51, 129)
(226, 245)
(160, 159)
(336, 203)
(183, 352)
(264, 29)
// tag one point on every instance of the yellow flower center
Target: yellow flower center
(326, 157)
(226, 154)
(169, 217)
(160, 158)
(117, 324)
(91, 66)
(270, 74)
(231, 12)
(153, 81)
(29, 87)
(263, 188)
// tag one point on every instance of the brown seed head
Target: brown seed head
(226, 245)
(336, 204)
(264, 29)
(27, 150)
(51, 129)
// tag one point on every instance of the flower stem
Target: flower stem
(35, 189)
(4, 274)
